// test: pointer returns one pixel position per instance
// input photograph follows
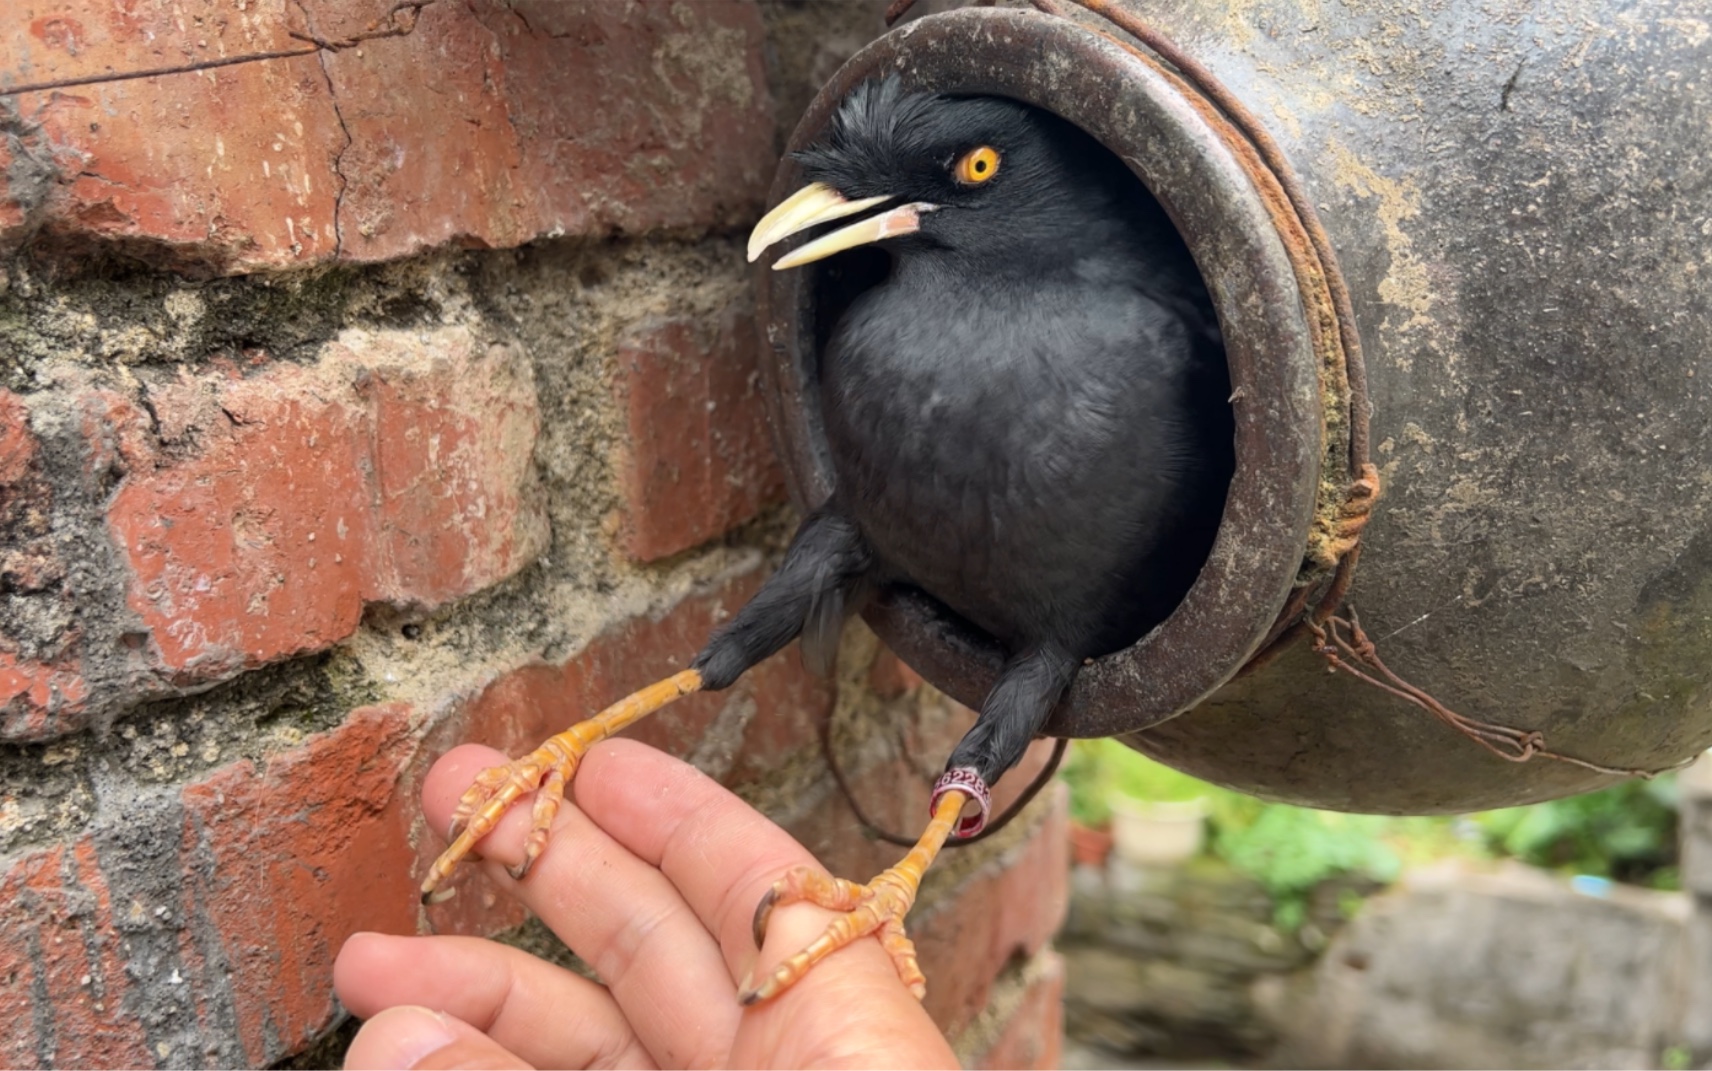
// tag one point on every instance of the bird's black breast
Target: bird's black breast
(1031, 452)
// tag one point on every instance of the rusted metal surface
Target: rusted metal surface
(1519, 195)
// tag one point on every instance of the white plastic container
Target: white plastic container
(1158, 834)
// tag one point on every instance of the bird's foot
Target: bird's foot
(545, 771)
(876, 908)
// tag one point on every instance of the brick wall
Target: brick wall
(358, 403)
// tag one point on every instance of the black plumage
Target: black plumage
(1027, 414)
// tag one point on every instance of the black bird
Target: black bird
(1027, 418)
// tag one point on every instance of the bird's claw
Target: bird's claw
(543, 771)
(876, 908)
(763, 913)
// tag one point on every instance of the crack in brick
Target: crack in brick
(338, 164)
(339, 160)
(146, 402)
(520, 18)
(487, 69)
(315, 44)
(155, 72)
(401, 21)
(527, 25)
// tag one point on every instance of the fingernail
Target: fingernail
(411, 1034)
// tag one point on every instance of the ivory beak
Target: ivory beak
(814, 204)
(819, 203)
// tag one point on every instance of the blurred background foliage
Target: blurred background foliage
(1626, 833)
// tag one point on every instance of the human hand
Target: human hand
(651, 876)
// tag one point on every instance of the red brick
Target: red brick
(36, 698)
(116, 431)
(278, 862)
(258, 511)
(543, 117)
(697, 460)
(783, 703)
(59, 932)
(451, 465)
(279, 865)
(17, 444)
(1034, 1036)
(276, 506)
(517, 711)
(232, 168)
(255, 546)
(966, 935)
(309, 849)
(488, 125)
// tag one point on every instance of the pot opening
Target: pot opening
(1236, 588)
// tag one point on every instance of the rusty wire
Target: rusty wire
(1342, 652)
(399, 21)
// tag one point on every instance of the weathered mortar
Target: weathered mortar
(124, 318)
(566, 303)
(52, 789)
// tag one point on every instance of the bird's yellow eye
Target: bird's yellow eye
(977, 166)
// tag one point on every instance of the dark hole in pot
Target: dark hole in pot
(840, 280)
(1280, 436)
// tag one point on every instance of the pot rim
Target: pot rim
(1144, 117)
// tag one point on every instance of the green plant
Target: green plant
(1291, 850)
(1130, 773)
(1626, 832)
(1083, 772)
(1098, 770)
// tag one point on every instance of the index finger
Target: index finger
(722, 854)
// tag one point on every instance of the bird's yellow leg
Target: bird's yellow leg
(545, 771)
(878, 907)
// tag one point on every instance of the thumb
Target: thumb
(412, 1038)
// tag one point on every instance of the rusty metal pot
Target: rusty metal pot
(1523, 210)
